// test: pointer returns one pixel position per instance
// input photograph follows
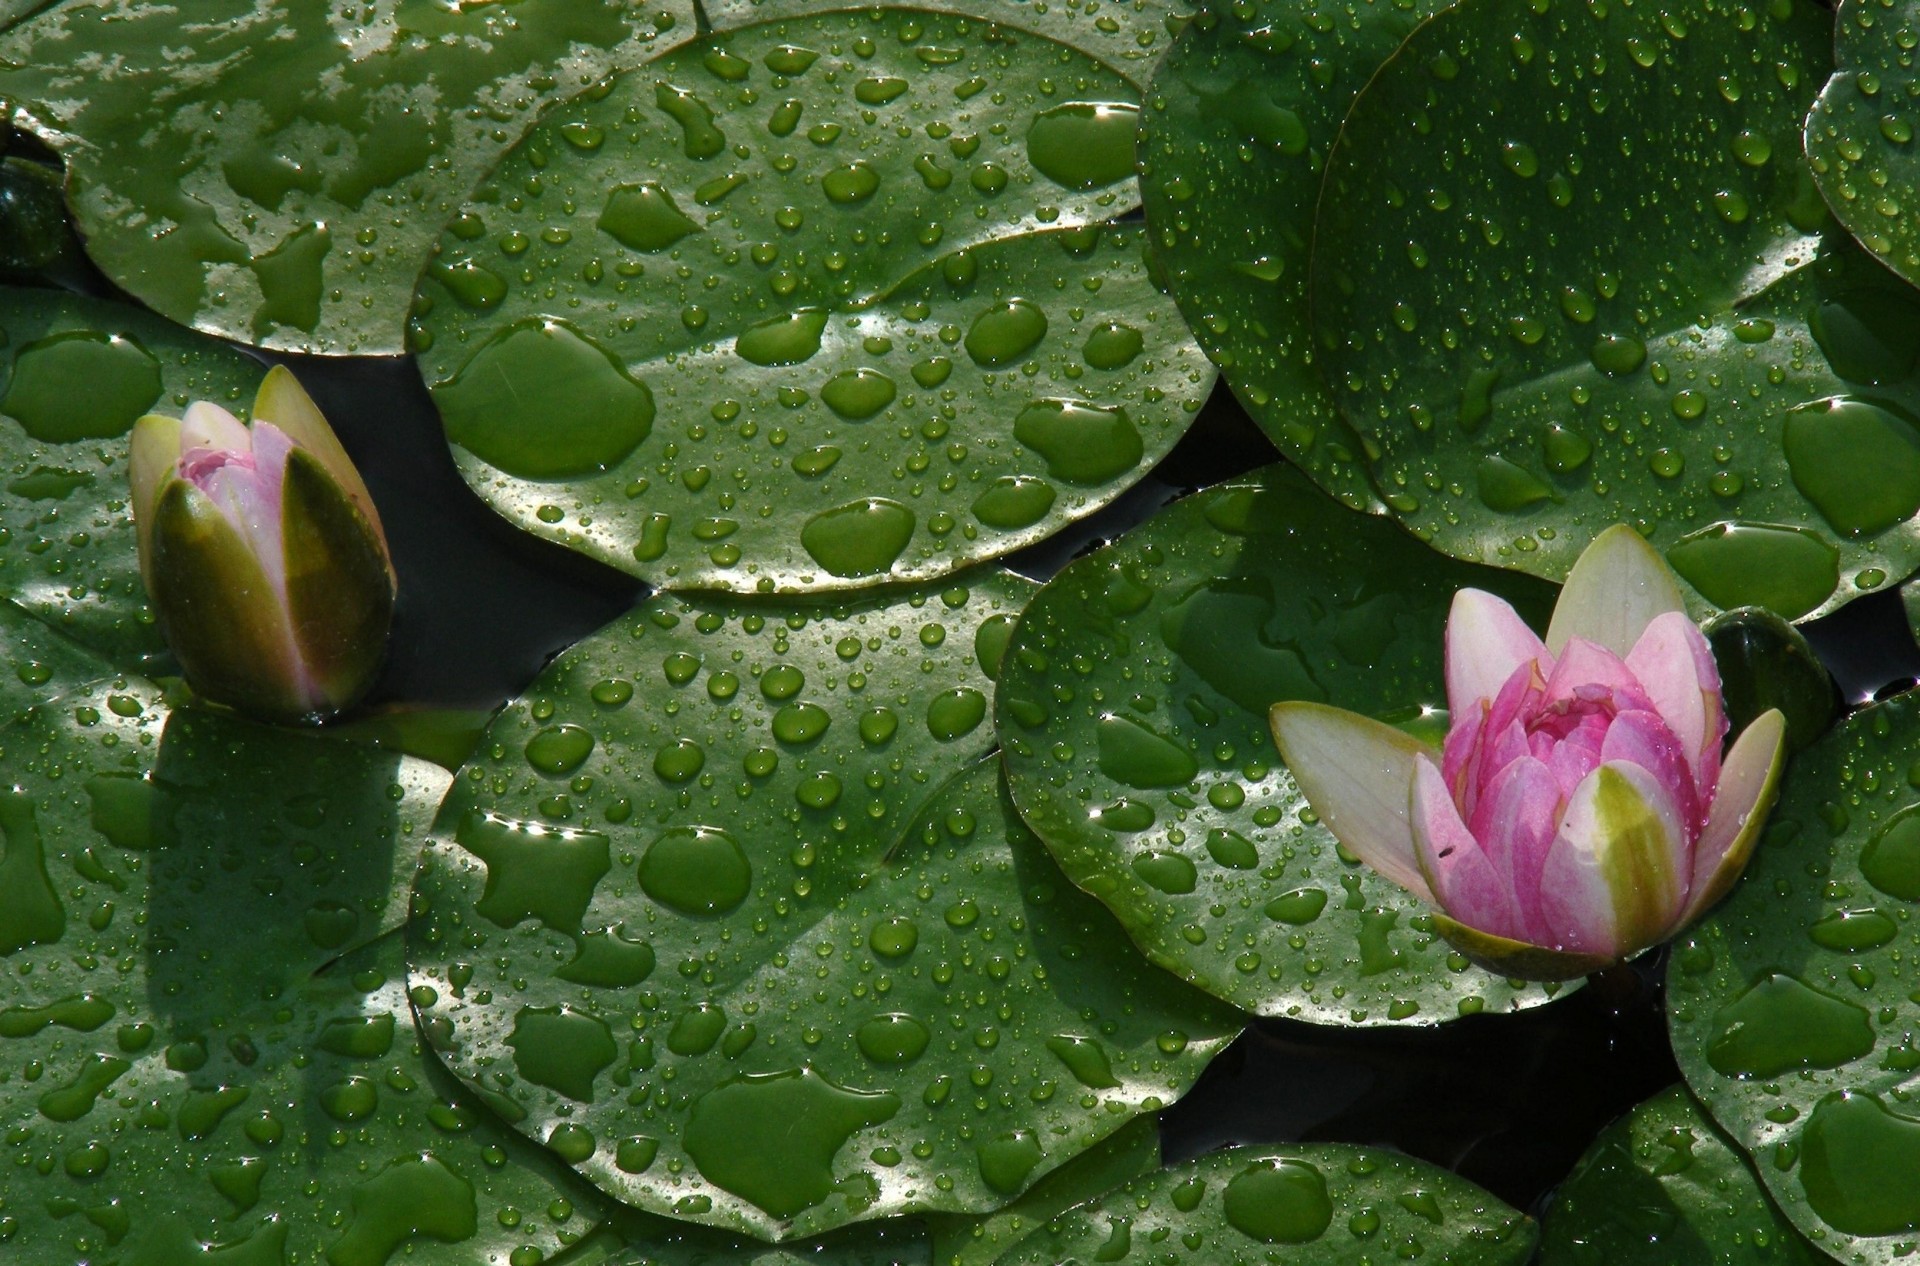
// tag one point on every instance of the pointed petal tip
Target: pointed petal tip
(1357, 774)
(1749, 782)
(1618, 585)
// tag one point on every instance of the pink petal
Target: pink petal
(1516, 823)
(1355, 772)
(1674, 663)
(1587, 672)
(1643, 739)
(1465, 882)
(1617, 587)
(1748, 782)
(1615, 878)
(1486, 642)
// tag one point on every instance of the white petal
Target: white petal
(1749, 779)
(210, 426)
(153, 458)
(1616, 588)
(1357, 773)
(1486, 641)
(1615, 878)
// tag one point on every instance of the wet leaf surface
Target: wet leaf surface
(209, 1048)
(812, 305)
(710, 918)
(39, 663)
(1234, 141)
(1663, 1185)
(66, 536)
(1133, 709)
(1859, 134)
(285, 194)
(1792, 1005)
(1574, 298)
(1313, 1204)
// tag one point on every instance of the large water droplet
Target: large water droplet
(1006, 332)
(122, 381)
(1084, 144)
(862, 538)
(644, 217)
(1780, 1023)
(858, 394)
(1787, 569)
(1279, 1202)
(1082, 443)
(696, 870)
(785, 340)
(1858, 461)
(771, 1138)
(560, 1048)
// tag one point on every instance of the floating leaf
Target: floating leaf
(206, 1078)
(36, 242)
(1130, 35)
(68, 553)
(1552, 310)
(1859, 134)
(39, 664)
(896, 1243)
(1242, 112)
(1311, 1205)
(285, 192)
(1663, 1185)
(1793, 1006)
(1133, 708)
(812, 305)
(711, 918)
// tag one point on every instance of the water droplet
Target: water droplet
(1780, 1023)
(893, 937)
(122, 382)
(771, 1138)
(1112, 346)
(1006, 1160)
(644, 217)
(699, 137)
(1302, 905)
(1169, 872)
(696, 870)
(862, 538)
(856, 182)
(1858, 461)
(1857, 1164)
(785, 340)
(1279, 1202)
(1617, 354)
(1014, 501)
(858, 394)
(560, 1048)
(1086, 1059)
(956, 713)
(535, 873)
(895, 1038)
(1135, 755)
(559, 750)
(1082, 443)
(1005, 333)
(1084, 144)
(1733, 564)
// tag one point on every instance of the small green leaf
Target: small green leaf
(804, 307)
(70, 557)
(731, 902)
(1314, 1204)
(1663, 1185)
(1791, 1008)
(285, 192)
(1133, 712)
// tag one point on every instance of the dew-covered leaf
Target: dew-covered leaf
(1794, 1006)
(1859, 134)
(1663, 1185)
(1233, 143)
(1580, 295)
(37, 663)
(902, 1242)
(1133, 709)
(812, 305)
(709, 914)
(1312, 1204)
(1131, 35)
(37, 245)
(274, 170)
(74, 374)
(208, 1045)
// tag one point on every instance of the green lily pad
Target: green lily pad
(897, 1243)
(1317, 1204)
(812, 305)
(39, 663)
(68, 552)
(1244, 108)
(37, 244)
(1130, 36)
(1575, 297)
(1859, 134)
(286, 192)
(1663, 1185)
(1794, 1007)
(710, 916)
(208, 1039)
(1133, 709)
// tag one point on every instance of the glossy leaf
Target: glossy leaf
(1663, 1185)
(286, 192)
(897, 1243)
(225, 1064)
(1314, 1204)
(39, 663)
(812, 305)
(1130, 35)
(1575, 298)
(1764, 663)
(1240, 116)
(1133, 709)
(1792, 1006)
(36, 242)
(69, 555)
(1859, 134)
(711, 918)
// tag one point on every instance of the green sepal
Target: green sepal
(339, 590)
(221, 616)
(1518, 960)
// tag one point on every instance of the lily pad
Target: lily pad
(1573, 298)
(1794, 1006)
(1133, 709)
(1312, 1204)
(1663, 1185)
(74, 374)
(193, 1073)
(1242, 112)
(1859, 134)
(1130, 35)
(39, 663)
(898, 1243)
(286, 191)
(37, 244)
(711, 919)
(815, 304)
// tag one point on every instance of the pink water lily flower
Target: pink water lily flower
(1580, 810)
